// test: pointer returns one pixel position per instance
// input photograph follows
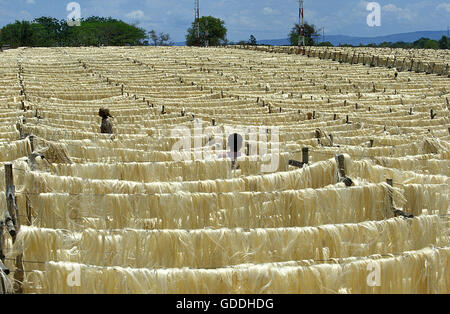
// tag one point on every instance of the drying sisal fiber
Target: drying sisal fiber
(15, 150)
(183, 210)
(317, 175)
(2, 205)
(427, 196)
(423, 271)
(365, 169)
(226, 247)
(55, 153)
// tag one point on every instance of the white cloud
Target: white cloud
(405, 14)
(269, 11)
(31, 2)
(444, 7)
(138, 15)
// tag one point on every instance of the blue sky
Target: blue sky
(266, 19)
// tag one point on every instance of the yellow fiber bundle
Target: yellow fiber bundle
(365, 169)
(424, 271)
(317, 175)
(15, 150)
(183, 210)
(427, 196)
(224, 247)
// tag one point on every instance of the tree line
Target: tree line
(100, 31)
(92, 31)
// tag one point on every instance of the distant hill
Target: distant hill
(336, 40)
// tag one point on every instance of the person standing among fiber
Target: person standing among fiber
(106, 126)
(235, 145)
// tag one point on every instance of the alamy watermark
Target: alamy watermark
(74, 277)
(228, 142)
(74, 17)
(374, 277)
(374, 18)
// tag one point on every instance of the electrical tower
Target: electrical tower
(301, 29)
(197, 21)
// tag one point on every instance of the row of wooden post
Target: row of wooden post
(12, 223)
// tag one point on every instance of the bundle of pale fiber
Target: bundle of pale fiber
(424, 271)
(55, 153)
(367, 170)
(315, 176)
(224, 247)
(15, 150)
(427, 196)
(412, 163)
(149, 171)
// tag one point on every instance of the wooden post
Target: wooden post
(410, 111)
(19, 128)
(432, 114)
(2, 255)
(213, 122)
(305, 155)
(341, 165)
(4, 270)
(371, 143)
(122, 89)
(346, 120)
(334, 117)
(332, 139)
(32, 142)
(318, 135)
(390, 182)
(314, 115)
(12, 210)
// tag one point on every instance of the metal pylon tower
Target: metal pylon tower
(301, 27)
(197, 20)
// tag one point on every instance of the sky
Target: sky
(265, 19)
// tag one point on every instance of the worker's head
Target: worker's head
(235, 142)
(104, 113)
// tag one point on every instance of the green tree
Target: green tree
(325, 44)
(431, 44)
(252, 40)
(51, 31)
(310, 31)
(93, 31)
(160, 40)
(217, 32)
(444, 43)
(22, 34)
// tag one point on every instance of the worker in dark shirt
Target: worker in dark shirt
(234, 144)
(107, 126)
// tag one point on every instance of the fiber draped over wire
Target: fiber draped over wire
(184, 210)
(423, 271)
(226, 247)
